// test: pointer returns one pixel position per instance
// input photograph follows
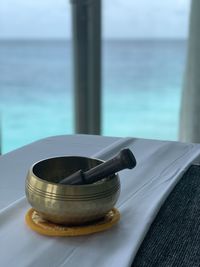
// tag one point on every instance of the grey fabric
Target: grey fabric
(174, 236)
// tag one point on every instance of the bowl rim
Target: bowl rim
(99, 183)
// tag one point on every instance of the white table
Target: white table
(160, 165)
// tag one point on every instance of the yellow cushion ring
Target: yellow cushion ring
(43, 227)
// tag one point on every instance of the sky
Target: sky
(120, 19)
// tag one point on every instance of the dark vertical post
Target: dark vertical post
(94, 67)
(86, 15)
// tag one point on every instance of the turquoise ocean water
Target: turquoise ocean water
(141, 89)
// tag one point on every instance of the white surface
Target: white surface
(159, 167)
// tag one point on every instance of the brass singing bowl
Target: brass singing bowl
(69, 204)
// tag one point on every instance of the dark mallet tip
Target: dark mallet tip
(128, 158)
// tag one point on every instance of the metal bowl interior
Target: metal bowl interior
(55, 169)
(69, 204)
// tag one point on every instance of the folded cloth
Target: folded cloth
(160, 165)
(174, 237)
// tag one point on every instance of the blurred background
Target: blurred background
(144, 46)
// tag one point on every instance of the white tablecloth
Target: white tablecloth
(160, 165)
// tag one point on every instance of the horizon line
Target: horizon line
(103, 39)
